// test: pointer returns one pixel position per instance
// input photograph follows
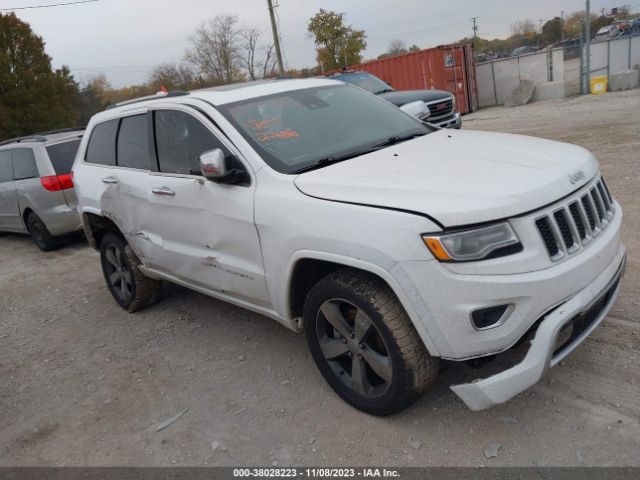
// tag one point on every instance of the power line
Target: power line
(48, 6)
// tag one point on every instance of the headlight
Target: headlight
(453, 99)
(473, 244)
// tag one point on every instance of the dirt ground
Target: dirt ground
(84, 383)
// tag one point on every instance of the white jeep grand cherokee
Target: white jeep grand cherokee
(392, 244)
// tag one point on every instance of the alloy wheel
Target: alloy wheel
(353, 348)
(118, 273)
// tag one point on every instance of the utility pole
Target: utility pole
(475, 34)
(541, 20)
(276, 37)
(586, 50)
(562, 25)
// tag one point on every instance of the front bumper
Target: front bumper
(593, 302)
(453, 122)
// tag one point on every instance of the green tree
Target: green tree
(33, 96)
(573, 24)
(552, 30)
(91, 98)
(337, 45)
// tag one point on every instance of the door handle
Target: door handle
(163, 191)
(109, 180)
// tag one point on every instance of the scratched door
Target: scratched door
(203, 232)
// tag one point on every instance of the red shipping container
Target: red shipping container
(447, 67)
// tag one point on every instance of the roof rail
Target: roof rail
(62, 130)
(173, 93)
(31, 138)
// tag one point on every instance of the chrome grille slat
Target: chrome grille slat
(566, 232)
(603, 196)
(575, 235)
(602, 215)
(572, 225)
(555, 229)
(594, 212)
(606, 189)
(578, 221)
(585, 222)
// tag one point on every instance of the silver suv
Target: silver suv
(36, 186)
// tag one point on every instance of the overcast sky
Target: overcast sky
(126, 38)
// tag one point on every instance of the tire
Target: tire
(40, 234)
(374, 337)
(130, 288)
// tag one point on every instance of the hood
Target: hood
(401, 97)
(459, 177)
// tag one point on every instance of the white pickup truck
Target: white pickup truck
(390, 243)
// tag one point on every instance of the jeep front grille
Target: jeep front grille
(572, 226)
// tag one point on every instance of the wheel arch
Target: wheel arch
(306, 268)
(25, 215)
(96, 226)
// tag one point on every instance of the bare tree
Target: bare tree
(269, 64)
(215, 50)
(174, 76)
(525, 28)
(396, 47)
(250, 37)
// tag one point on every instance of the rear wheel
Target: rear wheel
(40, 233)
(364, 343)
(130, 288)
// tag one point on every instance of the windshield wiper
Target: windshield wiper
(329, 160)
(384, 90)
(398, 139)
(323, 162)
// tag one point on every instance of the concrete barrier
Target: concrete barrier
(549, 90)
(625, 80)
(521, 95)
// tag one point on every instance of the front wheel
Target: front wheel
(127, 284)
(364, 344)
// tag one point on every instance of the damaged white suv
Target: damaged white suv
(390, 243)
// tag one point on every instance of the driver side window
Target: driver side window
(180, 140)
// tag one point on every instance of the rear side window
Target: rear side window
(62, 156)
(133, 143)
(181, 139)
(24, 163)
(102, 144)
(6, 170)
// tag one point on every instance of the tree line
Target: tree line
(525, 33)
(35, 97)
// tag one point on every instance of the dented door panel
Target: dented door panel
(207, 235)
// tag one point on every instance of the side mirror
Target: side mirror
(213, 165)
(418, 109)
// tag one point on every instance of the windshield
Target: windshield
(366, 81)
(297, 129)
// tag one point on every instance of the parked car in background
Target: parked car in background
(607, 33)
(523, 51)
(36, 186)
(390, 243)
(441, 105)
(571, 47)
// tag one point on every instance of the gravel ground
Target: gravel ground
(84, 383)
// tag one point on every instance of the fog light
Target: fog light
(489, 317)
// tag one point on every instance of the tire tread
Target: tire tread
(421, 368)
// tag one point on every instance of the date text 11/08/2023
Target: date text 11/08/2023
(315, 473)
